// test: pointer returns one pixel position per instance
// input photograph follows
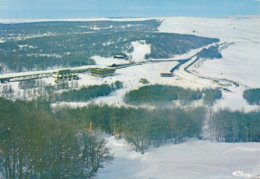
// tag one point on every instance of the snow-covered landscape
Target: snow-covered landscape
(239, 62)
(202, 159)
(237, 71)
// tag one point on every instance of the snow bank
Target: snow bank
(108, 61)
(140, 50)
(196, 159)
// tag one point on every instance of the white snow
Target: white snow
(26, 46)
(108, 61)
(234, 101)
(95, 28)
(59, 105)
(107, 43)
(224, 28)
(19, 74)
(195, 159)
(240, 63)
(44, 55)
(140, 50)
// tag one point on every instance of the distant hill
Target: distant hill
(40, 45)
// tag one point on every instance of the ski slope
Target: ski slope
(194, 159)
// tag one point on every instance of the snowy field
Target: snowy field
(240, 62)
(130, 77)
(191, 160)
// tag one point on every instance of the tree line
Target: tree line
(252, 96)
(144, 128)
(141, 127)
(162, 95)
(227, 126)
(86, 93)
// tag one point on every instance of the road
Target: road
(40, 74)
(181, 70)
(185, 73)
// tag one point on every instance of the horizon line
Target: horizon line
(123, 18)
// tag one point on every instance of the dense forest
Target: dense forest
(161, 94)
(210, 53)
(228, 126)
(86, 93)
(143, 128)
(35, 144)
(252, 96)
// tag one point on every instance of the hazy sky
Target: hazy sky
(119, 8)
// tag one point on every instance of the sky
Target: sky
(56, 9)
